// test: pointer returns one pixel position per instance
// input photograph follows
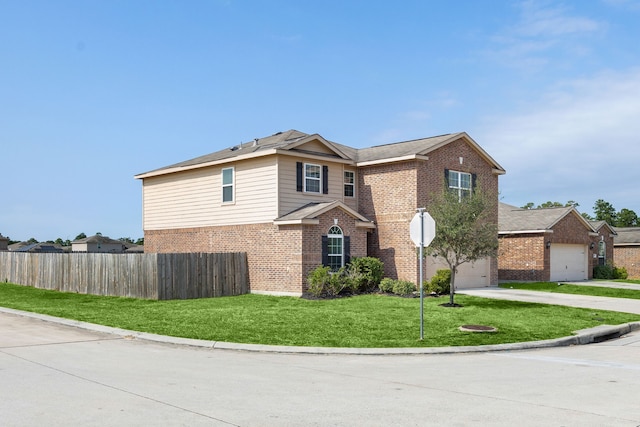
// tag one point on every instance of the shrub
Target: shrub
(620, 273)
(386, 285)
(338, 282)
(366, 273)
(440, 282)
(609, 271)
(318, 280)
(403, 287)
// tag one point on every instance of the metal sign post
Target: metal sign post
(422, 230)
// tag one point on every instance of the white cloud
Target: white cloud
(577, 141)
(541, 33)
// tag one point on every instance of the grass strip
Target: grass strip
(359, 321)
(596, 291)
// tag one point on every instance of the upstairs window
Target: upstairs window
(349, 184)
(312, 178)
(459, 182)
(227, 185)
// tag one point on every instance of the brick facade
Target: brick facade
(523, 257)
(629, 258)
(390, 194)
(280, 257)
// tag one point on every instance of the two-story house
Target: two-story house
(293, 201)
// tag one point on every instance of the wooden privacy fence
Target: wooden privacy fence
(149, 275)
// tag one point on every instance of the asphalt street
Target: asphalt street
(59, 375)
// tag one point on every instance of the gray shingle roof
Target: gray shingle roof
(98, 239)
(287, 140)
(513, 219)
(626, 236)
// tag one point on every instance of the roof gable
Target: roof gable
(309, 213)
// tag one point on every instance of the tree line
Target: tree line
(67, 242)
(603, 211)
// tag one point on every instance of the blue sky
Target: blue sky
(95, 92)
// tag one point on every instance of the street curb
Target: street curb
(584, 336)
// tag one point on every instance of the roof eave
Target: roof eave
(393, 159)
(170, 170)
(544, 231)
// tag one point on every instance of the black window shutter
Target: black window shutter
(299, 176)
(325, 250)
(325, 179)
(347, 250)
(474, 178)
(446, 178)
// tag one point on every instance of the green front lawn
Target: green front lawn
(597, 291)
(360, 321)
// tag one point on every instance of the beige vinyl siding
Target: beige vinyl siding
(315, 147)
(290, 199)
(194, 198)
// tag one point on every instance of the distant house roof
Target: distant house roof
(626, 236)
(97, 239)
(289, 142)
(512, 219)
(36, 247)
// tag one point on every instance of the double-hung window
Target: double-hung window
(349, 184)
(312, 178)
(460, 182)
(227, 185)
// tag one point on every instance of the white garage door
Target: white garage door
(568, 262)
(470, 275)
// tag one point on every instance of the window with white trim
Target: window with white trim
(335, 248)
(460, 182)
(349, 184)
(602, 252)
(227, 185)
(312, 178)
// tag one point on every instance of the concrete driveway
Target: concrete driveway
(58, 375)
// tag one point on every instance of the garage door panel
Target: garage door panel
(470, 275)
(568, 262)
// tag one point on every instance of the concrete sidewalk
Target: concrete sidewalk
(624, 305)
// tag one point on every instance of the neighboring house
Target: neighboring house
(98, 243)
(553, 244)
(36, 247)
(4, 243)
(626, 250)
(602, 244)
(293, 201)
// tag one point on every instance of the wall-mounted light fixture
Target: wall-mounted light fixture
(548, 244)
(592, 245)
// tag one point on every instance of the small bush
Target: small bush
(366, 273)
(386, 285)
(403, 287)
(318, 280)
(338, 282)
(440, 283)
(620, 273)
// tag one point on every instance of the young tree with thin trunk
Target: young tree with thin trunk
(465, 229)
